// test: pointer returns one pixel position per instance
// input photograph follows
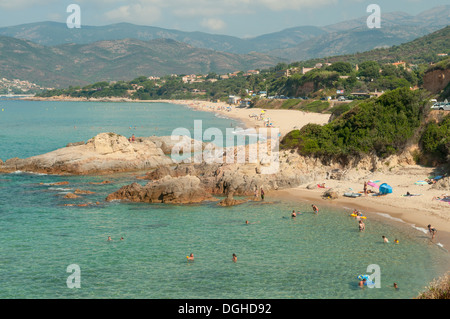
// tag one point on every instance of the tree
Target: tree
(369, 69)
(343, 68)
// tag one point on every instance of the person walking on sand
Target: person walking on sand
(432, 231)
(262, 194)
(315, 209)
(365, 188)
(362, 227)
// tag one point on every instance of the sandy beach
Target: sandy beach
(284, 120)
(419, 211)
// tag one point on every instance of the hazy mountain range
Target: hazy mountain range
(49, 53)
(396, 28)
(79, 64)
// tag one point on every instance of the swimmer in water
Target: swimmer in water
(109, 238)
(315, 209)
(362, 283)
(294, 214)
(385, 239)
(190, 257)
(234, 258)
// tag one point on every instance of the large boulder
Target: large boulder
(105, 153)
(175, 190)
(442, 184)
(176, 144)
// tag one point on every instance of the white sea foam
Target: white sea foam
(59, 189)
(423, 230)
(390, 217)
(30, 173)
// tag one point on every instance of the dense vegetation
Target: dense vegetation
(318, 83)
(435, 140)
(438, 289)
(383, 125)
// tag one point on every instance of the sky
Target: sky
(241, 18)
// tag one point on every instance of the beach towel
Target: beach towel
(421, 183)
(373, 184)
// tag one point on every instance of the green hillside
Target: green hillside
(81, 64)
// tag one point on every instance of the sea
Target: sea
(49, 250)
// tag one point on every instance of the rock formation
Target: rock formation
(175, 190)
(105, 153)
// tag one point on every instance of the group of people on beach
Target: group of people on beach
(261, 193)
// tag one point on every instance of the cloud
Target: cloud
(23, 4)
(135, 13)
(214, 24)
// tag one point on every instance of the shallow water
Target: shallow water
(311, 256)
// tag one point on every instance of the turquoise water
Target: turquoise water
(311, 256)
(29, 128)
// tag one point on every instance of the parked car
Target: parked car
(442, 106)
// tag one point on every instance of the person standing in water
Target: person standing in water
(262, 194)
(315, 209)
(362, 227)
(234, 258)
(432, 231)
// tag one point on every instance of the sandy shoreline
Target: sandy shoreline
(390, 214)
(416, 210)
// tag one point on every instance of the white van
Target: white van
(442, 106)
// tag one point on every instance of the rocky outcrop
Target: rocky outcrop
(174, 190)
(105, 153)
(230, 201)
(442, 184)
(436, 80)
(178, 144)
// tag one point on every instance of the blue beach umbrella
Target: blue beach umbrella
(385, 189)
